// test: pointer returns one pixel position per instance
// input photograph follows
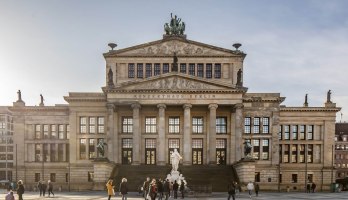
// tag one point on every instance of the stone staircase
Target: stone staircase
(206, 178)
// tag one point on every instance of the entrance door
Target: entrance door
(126, 156)
(197, 156)
(150, 156)
(221, 156)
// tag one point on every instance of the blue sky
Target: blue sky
(55, 47)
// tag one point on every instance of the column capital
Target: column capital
(213, 106)
(111, 106)
(187, 106)
(238, 106)
(136, 106)
(161, 105)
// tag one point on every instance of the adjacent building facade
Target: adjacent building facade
(169, 94)
(341, 150)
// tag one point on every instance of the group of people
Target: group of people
(20, 192)
(42, 186)
(123, 189)
(163, 189)
(233, 189)
(310, 188)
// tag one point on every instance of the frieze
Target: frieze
(175, 83)
(174, 96)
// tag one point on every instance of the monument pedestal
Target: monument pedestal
(246, 170)
(102, 170)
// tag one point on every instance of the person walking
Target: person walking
(313, 187)
(146, 187)
(153, 189)
(166, 189)
(20, 189)
(160, 189)
(110, 188)
(236, 186)
(50, 188)
(182, 189)
(39, 186)
(231, 191)
(257, 188)
(124, 189)
(250, 188)
(175, 189)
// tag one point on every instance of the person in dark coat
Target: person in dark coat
(20, 190)
(124, 189)
(231, 189)
(153, 189)
(257, 188)
(50, 188)
(39, 186)
(182, 189)
(175, 189)
(308, 188)
(166, 189)
(146, 187)
(160, 189)
(313, 187)
(44, 187)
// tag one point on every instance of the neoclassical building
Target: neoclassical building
(173, 93)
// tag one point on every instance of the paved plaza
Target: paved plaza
(96, 195)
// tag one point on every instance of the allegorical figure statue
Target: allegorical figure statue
(41, 100)
(175, 63)
(19, 95)
(328, 98)
(175, 26)
(101, 147)
(247, 149)
(239, 77)
(176, 157)
(110, 78)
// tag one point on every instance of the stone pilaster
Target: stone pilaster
(187, 151)
(212, 134)
(161, 134)
(110, 140)
(136, 134)
(238, 131)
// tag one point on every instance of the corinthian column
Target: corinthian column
(111, 138)
(187, 135)
(238, 131)
(161, 134)
(212, 134)
(136, 133)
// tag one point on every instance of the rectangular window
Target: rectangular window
(221, 125)
(310, 132)
(53, 177)
(148, 70)
(265, 149)
(53, 131)
(66, 177)
(294, 178)
(45, 127)
(60, 131)
(46, 155)
(294, 132)
(91, 148)
(53, 153)
(83, 124)
(197, 151)
(265, 125)
(174, 125)
(127, 143)
(280, 133)
(302, 153)
(92, 123)
(247, 125)
(200, 70)
(183, 68)
(287, 132)
(294, 153)
(280, 154)
(67, 131)
(286, 153)
(101, 123)
(150, 143)
(310, 153)
(192, 69)
(38, 131)
(150, 125)
(140, 70)
(302, 132)
(217, 71)
(131, 70)
(127, 125)
(174, 143)
(90, 176)
(256, 149)
(60, 152)
(257, 177)
(256, 125)
(157, 69)
(82, 148)
(197, 143)
(197, 124)
(37, 152)
(165, 68)
(37, 177)
(209, 70)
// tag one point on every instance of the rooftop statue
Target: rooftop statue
(328, 98)
(175, 27)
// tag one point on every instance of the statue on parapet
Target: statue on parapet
(175, 26)
(41, 100)
(176, 157)
(239, 78)
(110, 78)
(19, 96)
(328, 98)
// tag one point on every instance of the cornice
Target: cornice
(85, 97)
(309, 109)
(40, 108)
(261, 99)
(113, 90)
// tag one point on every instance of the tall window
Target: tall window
(200, 71)
(127, 125)
(157, 69)
(101, 122)
(256, 125)
(302, 132)
(208, 70)
(294, 178)
(131, 70)
(150, 151)
(38, 131)
(91, 148)
(140, 70)
(37, 152)
(310, 153)
(280, 133)
(53, 177)
(302, 153)
(82, 148)
(148, 70)
(286, 153)
(197, 124)
(173, 144)
(37, 177)
(53, 131)
(45, 127)
(265, 149)
(174, 125)
(293, 153)
(294, 132)
(280, 154)
(217, 71)
(53, 153)
(183, 68)
(221, 125)
(92, 121)
(90, 176)
(310, 132)
(221, 148)
(61, 131)
(83, 124)
(256, 149)
(247, 125)
(265, 125)
(60, 152)
(127, 146)
(67, 131)
(150, 125)
(197, 151)
(287, 132)
(192, 69)
(165, 68)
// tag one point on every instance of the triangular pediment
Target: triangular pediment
(167, 47)
(175, 81)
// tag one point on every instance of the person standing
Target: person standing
(231, 191)
(50, 188)
(20, 190)
(9, 196)
(166, 189)
(160, 189)
(124, 189)
(250, 188)
(308, 188)
(175, 189)
(182, 189)
(39, 186)
(110, 188)
(153, 189)
(257, 188)
(146, 187)
(313, 187)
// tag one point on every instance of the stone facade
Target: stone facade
(341, 150)
(147, 108)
